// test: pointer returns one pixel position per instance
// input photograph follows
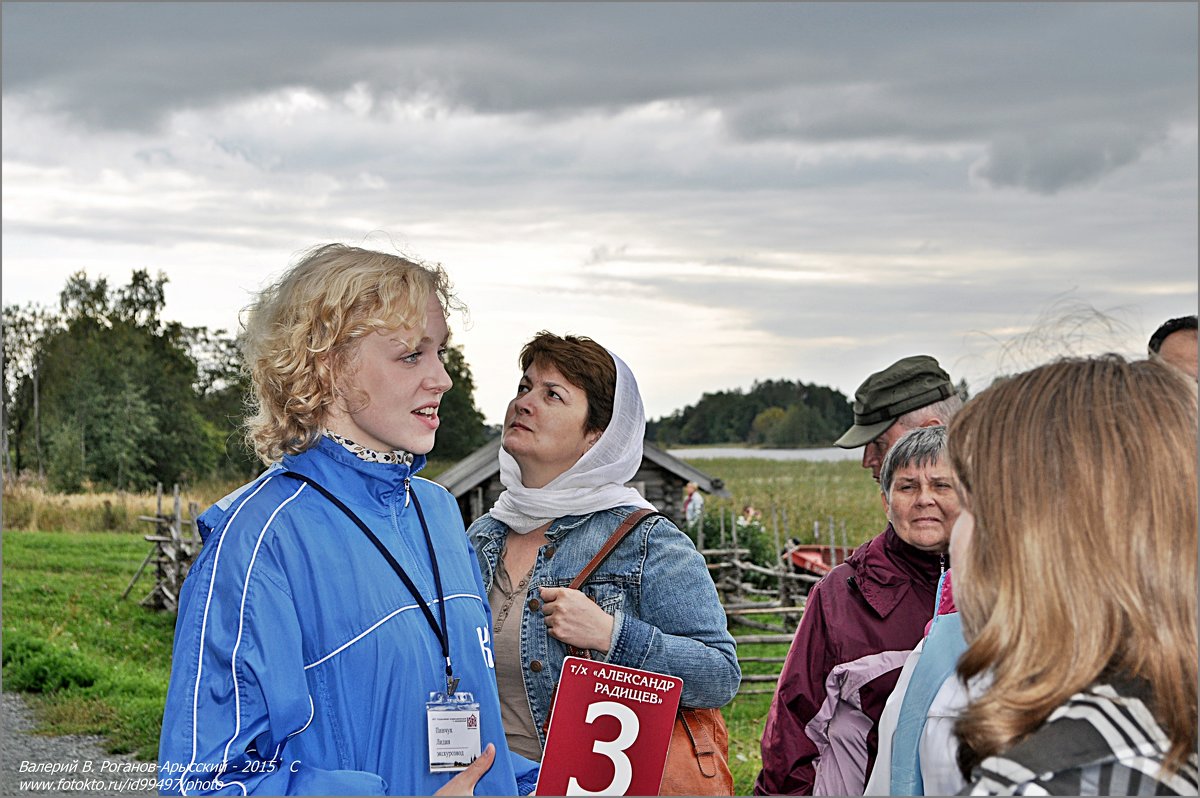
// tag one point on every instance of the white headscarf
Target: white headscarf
(595, 482)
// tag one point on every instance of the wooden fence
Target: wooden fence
(769, 599)
(175, 544)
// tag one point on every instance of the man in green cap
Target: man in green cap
(863, 618)
(912, 392)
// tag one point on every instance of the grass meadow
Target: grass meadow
(95, 664)
(797, 493)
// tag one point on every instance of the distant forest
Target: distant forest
(104, 392)
(776, 413)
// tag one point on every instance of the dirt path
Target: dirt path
(69, 765)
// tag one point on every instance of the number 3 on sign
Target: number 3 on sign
(613, 749)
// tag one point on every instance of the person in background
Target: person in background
(572, 439)
(750, 516)
(1175, 342)
(912, 392)
(901, 774)
(1075, 574)
(302, 664)
(859, 624)
(918, 752)
(693, 506)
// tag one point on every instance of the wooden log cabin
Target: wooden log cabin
(475, 481)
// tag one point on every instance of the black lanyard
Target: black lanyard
(442, 633)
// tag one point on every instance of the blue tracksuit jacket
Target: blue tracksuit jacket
(301, 663)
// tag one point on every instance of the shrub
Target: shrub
(34, 665)
(114, 517)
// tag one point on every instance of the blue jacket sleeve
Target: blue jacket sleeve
(686, 639)
(526, 771)
(238, 691)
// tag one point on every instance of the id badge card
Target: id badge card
(453, 731)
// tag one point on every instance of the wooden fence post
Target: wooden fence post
(172, 552)
(832, 543)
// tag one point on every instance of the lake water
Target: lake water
(710, 452)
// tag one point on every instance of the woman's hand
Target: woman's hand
(574, 619)
(464, 781)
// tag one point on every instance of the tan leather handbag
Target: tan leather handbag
(698, 760)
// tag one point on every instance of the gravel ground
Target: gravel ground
(71, 756)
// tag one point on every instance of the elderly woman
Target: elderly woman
(572, 440)
(336, 594)
(1075, 575)
(859, 624)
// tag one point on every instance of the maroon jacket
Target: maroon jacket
(859, 624)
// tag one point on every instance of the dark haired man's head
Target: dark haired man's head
(1175, 342)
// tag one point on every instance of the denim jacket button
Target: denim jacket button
(536, 666)
(550, 551)
(535, 605)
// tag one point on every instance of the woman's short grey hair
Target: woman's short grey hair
(920, 446)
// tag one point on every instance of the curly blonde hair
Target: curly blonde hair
(301, 333)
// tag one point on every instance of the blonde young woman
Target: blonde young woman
(336, 595)
(1075, 573)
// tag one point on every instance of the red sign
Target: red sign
(610, 728)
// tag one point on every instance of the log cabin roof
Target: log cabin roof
(483, 464)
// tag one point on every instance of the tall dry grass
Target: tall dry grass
(28, 505)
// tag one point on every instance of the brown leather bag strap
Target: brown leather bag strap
(614, 540)
(611, 544)
(702, 742)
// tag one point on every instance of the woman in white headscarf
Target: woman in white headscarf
(572, 440)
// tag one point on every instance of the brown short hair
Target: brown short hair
(585, 363)
(1081, 476)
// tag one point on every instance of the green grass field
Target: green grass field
(65, 628)
(97, 665)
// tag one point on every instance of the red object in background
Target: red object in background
(815, 558)
(610, 728)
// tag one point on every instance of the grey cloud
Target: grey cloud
(968, 323)
(939, 73)
(1055, 160)
(603, 253)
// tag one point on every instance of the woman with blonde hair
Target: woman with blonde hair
(335, 618)
(1075, 573)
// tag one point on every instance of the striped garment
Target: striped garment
(1102, 741)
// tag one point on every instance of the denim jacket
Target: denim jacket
(656, 586)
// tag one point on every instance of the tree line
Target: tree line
(775, 413)
(102, 391)
(105, 392)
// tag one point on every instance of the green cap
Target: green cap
(902, 387)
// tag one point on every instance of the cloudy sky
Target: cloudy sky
(717, 192)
